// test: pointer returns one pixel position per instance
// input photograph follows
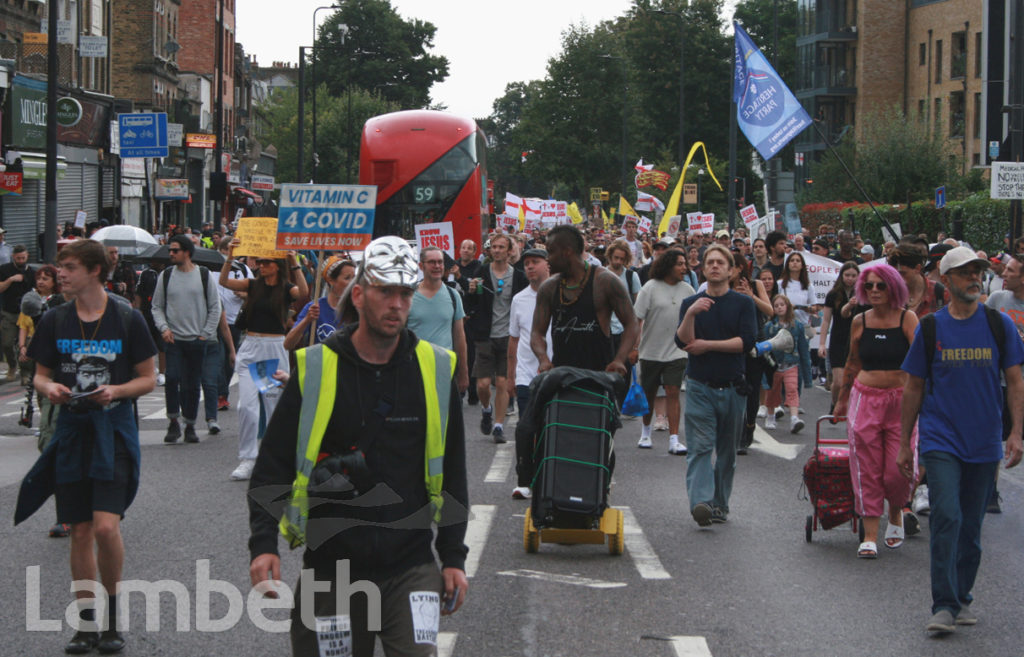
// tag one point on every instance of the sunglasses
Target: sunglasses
(174, 250)
(501, 286)
(264, 262)
(871, 285)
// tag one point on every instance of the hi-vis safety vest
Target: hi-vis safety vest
(318, 381)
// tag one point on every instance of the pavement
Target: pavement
(752, 586)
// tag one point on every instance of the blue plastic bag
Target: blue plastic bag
(636, 401)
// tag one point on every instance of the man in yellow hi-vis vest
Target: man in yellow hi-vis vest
(363, 456)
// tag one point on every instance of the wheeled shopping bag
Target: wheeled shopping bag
(827, 480)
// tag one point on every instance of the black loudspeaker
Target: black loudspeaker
(218, 185)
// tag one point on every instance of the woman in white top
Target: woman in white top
(796, 286)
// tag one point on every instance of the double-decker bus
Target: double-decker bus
(428, 167)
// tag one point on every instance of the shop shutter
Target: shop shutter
(69, 195)
(24, 217)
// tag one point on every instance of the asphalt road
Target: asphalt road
(752, 586)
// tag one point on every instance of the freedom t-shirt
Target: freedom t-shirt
(86, 355)
(961, 413)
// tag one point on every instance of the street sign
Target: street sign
(92, 46)
(993, 149)
(200, 140)
(940, 197)
(326, 216)
(262, 182)
(1007, 180)
(143, 134)
(174, 134)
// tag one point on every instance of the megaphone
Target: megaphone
(781, 341)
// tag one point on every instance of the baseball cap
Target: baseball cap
(387, 261)
(629, 220)
(959, 257)
(722, 233)
(868, 249)
(666, 242)
(935, 254)
(535, 253)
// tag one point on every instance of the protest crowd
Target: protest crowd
(693, 318)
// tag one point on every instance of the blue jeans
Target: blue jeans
(191, 363)
(958, 493)
(713, 421)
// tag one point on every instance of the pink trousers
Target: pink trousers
(873, 426)
(791, 378)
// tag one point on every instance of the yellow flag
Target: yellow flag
(574, 213)
(673, 203)
(522, 217)
(608, 223)
(625, 208)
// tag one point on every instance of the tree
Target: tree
(897, 159)
(338, 132)
(758, 18)
(381, 52)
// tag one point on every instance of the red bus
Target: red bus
(428, 167)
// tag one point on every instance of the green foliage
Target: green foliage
(382, 53)
(758, 18)
(338, 132)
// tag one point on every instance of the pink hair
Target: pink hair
(897, 288)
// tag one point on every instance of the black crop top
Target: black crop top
(883, 349)
(261, 316)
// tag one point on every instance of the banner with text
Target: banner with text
(326, 216)
(822, 273)
(441, 235)
(258, 238)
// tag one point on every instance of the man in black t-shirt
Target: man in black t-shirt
(93, 356)
(16, 278)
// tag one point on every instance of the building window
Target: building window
(937, 116)
(956, 114)
(922, 110)
(938, 60)
(977, 55)
(958, 55)
(976, 131)
(922, 54)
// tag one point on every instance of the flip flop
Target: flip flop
(895, 534)
(867, 550)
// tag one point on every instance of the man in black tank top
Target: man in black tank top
(577, 301)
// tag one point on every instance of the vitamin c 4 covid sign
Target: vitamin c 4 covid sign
(326, 216)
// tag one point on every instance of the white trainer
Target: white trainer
(676, 448)
(795, 424)
(779, 412)
(161, 379)
(521, 493)
(244, 470)
(920, 504)
(769, 422)
(762, 412)
(644, 442)
(660, 423)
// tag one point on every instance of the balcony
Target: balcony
(826, 81)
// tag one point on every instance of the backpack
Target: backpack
(995, 324)
(204, 274)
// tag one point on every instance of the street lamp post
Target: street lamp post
(682, 77)
(625, 124)
(700, 189)
(316, 157)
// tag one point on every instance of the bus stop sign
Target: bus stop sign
(330, 217)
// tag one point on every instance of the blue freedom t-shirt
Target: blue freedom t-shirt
(325, 325)
(961, 413)
(86, 355)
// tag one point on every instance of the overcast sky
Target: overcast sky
(488, 43)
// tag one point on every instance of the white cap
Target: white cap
(959, 257)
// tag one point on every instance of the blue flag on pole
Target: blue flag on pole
(767, 111)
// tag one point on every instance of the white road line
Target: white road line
(479, 527)
(11, 414)
(763, 442)
(643, 555)
(574, 580)
(159, 415)
(500, 465)
(691, 646)
(446, 643)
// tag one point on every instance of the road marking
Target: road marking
(12, 413)
(446, 643)
(574, 580)
(500, 465)
(643, 555)
(763, 442)
(480, 518)
(690, 646)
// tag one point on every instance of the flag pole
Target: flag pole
(856, 182)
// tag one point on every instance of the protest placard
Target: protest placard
(749, 214)
(258, 237)
(441, 235)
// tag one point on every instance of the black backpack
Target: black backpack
(995, 324)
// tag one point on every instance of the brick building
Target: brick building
(145, 50)
(860, 56)
(198, 54)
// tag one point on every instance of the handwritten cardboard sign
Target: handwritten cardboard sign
(441, 235)
(258, 237)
